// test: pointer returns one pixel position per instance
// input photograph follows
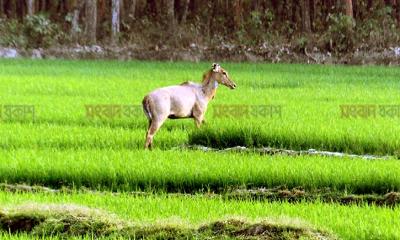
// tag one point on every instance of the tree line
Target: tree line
(95, 20)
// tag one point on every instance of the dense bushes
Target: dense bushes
(40, 31)
(340, 33)
(34, 31)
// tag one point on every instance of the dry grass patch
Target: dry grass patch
(71, 221)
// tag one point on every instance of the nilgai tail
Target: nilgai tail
(147, 110)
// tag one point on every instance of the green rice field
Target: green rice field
(102, 163)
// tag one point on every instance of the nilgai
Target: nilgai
(187, 100)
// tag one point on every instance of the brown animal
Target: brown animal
(187, 100)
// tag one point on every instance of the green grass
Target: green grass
(62, 147)
(348, 222)
(310, 97)
(191, 171)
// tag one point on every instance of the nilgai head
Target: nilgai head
(221, 76)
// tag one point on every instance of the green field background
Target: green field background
(62, 147)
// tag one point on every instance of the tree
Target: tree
(53, 9)
(76, 7)
(237, 17)
(12, 9)
(397, 11)
(115, 20)
(91, 21)
(277, 8)
(312, 14)
(1, 8)
(170, 14)
(348, 7)
(305, 15)
(30, 7)
(369, 5)
(295, 16)
(185, 7)
(103, 11)
(255, 5)
(132, 10)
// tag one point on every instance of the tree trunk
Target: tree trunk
(12, 11)
(369, 5)
(185, 7)
(283, 11)
(348, 8)
(53, 9)
(237, 17)
(76, 10)
(312, 14)
(397, 10)
(122, 11)
(255, 5)
(356, 10)
(295, 18)
(153, 9)
(43, 6)
(277, 9)
(1, 8)
(305, 16)
(30, 6)
(91, 21)
(393, 6)
(102, 11)
(170, 14)
(115, 20)
(132, 11)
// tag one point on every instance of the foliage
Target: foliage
(210, 24)
(257, 28)
(35, 31)
(380, 28)
(340, 36)
(40, 31)
(11, 34)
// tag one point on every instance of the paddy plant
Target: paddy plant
(309, 96)
(345, 222)
(194, 171)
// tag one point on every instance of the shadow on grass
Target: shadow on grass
(255, 137)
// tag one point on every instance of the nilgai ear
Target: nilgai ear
(216, 67)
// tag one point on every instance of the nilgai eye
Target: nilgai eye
(224, 73)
